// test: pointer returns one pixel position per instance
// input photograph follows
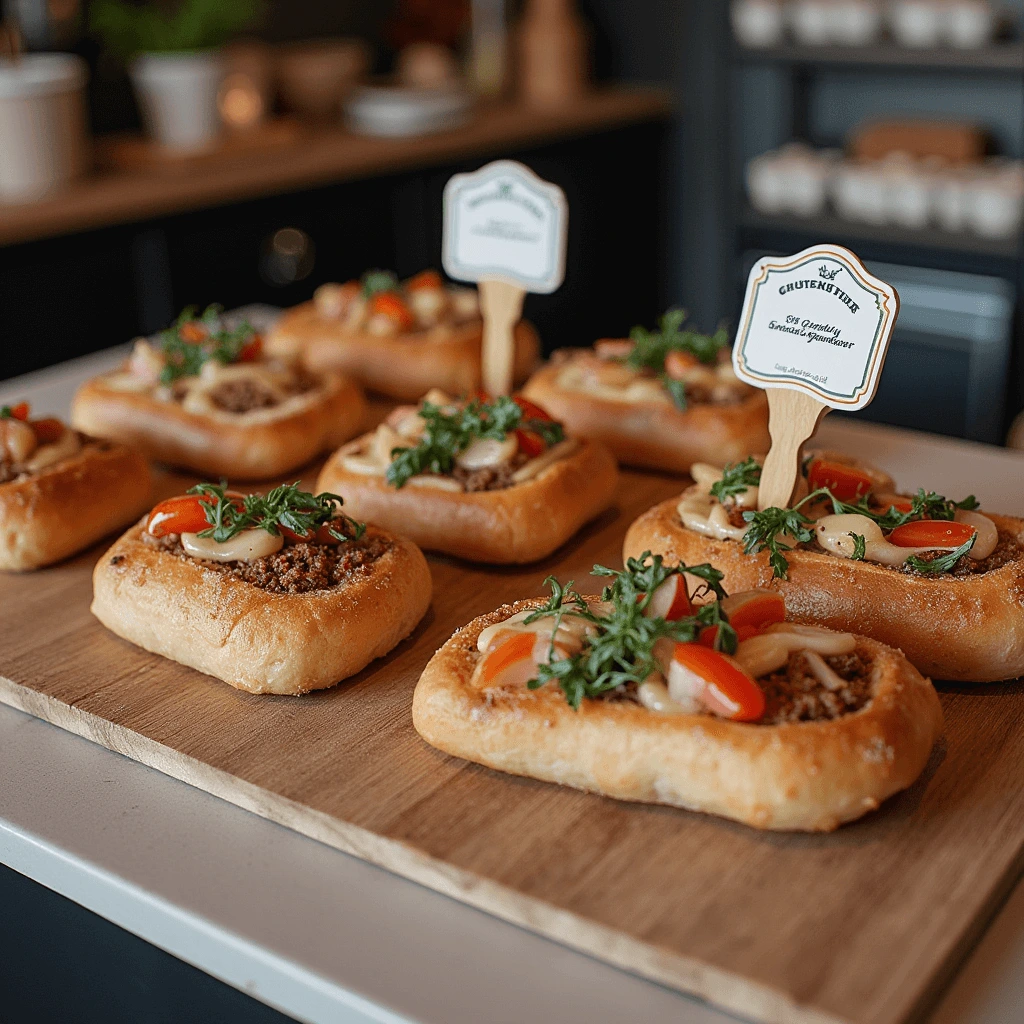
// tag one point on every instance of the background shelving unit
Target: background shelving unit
(792, 74)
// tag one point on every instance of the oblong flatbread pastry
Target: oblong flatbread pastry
(494, 482)
(800, 728)
(398, 339)
(936, 578)
(61, 491)
(660, 399)
(294, 597)
(203, 397)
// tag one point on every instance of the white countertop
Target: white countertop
(329, 939)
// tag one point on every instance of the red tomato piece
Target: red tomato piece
(531, 410)
(709, 634)
(932, 533)
(530, 442)
(47, 431)
(670, 601)
(758, 608)
(193, 332)
(845, 482)
(512, 661)
(390, 304)
(322, 535)
(613, 348)
(183, 514)
(728, 691)
(19, 411)
(678, 364)
(251, 350)
(426, 280)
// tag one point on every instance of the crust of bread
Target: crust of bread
(512, 526)
(657, 435)
(969, 629)
(252, 639)
(218, 446)
(57, 512)
(806, 776)
(403, 367)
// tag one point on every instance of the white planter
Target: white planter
(810, 22)
(917, 23)
(42, 124)
(177, 95)
(757, 23)
(765, 184)
(969, 24)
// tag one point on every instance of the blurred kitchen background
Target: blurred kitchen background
(237, 151)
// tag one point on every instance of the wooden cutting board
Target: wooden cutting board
(864, 925)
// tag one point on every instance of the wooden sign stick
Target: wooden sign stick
(793, 417)
(501, 305)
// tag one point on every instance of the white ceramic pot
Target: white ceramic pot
(805, 182)
(917, 24)
(907, 194)
(969, 24)
(43, 141)
(811, 21)
(177, 94)
(765, 186)
(995, 205)
(856, 22)
(950, 202)
(757, 23)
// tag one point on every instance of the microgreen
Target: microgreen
(288, 507)
(650, 348)
(186, 358)
(450, 431)
(943, 563)
(374, 281)
(736, 478)
(859, 546)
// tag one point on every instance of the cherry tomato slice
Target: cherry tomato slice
(193, 332)
(390, 304)
(425, 279)
(678, 364)
(845, 482)
(729, 692)
(47, 431)
(512, 660)
(183, 514)
(670, 601)
(322, 535)
(530, 443)
(531, 410)
(19, 411)
(757, 608)
(251, 350)
(709, 634)
(928, 533)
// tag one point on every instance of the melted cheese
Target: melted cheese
(769, 651)
(246, 546)
(48, 454)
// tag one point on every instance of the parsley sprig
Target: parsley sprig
(185, 358)
(374, 281)
(286, 506)
(736, 478)
(450, 431)
(942, 563)
(622, 649)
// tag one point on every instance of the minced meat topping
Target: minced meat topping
(493, 478)
(795, 694)
(1008, 549)
(296, 568)
(244, 395)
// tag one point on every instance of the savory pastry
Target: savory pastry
(661, 399)
(488, 481)
(936, 578)
(59, 490)
(398, 339)
(643, 694)
(276, 594)
(202, 397)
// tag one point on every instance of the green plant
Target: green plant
(129, 28)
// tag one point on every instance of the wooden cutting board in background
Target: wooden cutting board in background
(863, 925)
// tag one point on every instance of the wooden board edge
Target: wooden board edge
(730, 992)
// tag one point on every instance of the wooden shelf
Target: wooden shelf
(830, 227)
(318, 158)
(999, 58)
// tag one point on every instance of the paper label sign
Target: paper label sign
(503, 222)
(816, 322)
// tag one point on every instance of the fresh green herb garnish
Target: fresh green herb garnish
(651, 347)
(943, 563)
(192, 341)
(6, 412)
(736, 478)
(622, 650)
(451, 431)
(768, 525)
(285, 507)
(859, 547)
(676, 391)
(374, 281)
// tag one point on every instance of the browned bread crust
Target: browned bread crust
(965, 628)
(807, 776)
(69, 505)
(222, 446)
(255, 640)
(517, 524)
(405, 366)
(656, 435)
